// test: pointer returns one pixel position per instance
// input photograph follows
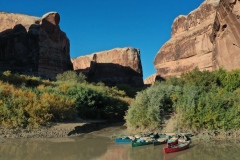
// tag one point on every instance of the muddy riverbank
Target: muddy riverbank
(80, 127)
(57, 130)
(99, 145)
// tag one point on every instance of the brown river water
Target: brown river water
(99, 145)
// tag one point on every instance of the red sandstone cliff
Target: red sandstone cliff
(10, 20)
(152, 79)
(33, 45)
(226, 35)
(190, 44)
(208, 38)
(116, 66)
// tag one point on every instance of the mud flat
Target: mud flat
(57, 130)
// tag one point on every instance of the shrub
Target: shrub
(204, 80)
(229, 80)
(71, 76)
(92, 103)
(201, 100)
(144, 111)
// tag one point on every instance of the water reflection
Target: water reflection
(99, 147)
(212, 150)
(70, 149)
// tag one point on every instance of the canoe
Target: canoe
(174, 155)
(163, 139)
(172, 141)
(188, 135)
(160, 141)
(177, 147)
(141, 142)
(183, 139)
(123, 140)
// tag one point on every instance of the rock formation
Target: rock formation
(208, 38)
(33, 45)
(226, 35)
(152, 79)
(116, 66)
(190, 44)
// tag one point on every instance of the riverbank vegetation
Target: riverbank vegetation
(200, 101)
(27, 101)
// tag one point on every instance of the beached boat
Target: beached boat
(172, 141)
(160, 141)
(177, 147)
(188, 134)
(141, 142)
(183, 139)
(123, 140)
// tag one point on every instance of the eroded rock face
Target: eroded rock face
(190, 44)
(208, 38)
(226, 35)
(33, 45)
(9, 20)
(152, 79)
(116, 66)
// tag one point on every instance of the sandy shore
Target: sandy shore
(79, 127)
(56, 130)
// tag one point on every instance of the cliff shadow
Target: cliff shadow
(19, 50)
(91, 127)
(113, 74)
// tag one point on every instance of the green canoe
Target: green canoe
(140, 142)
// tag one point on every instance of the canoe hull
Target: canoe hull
(136, 144)
(120, 140)
(172, 143)
(160, 141)
(176, 148)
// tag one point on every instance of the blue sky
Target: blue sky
(98, 25)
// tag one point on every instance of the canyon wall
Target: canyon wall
(33, 45)
(226, 35)
(190, 44)
(112, 67)
(207, 38)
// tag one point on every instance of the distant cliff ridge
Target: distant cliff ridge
(33, 45)
(207, 38)
(37, 46)
(112, 67)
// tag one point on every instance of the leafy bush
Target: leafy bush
(207, 100)
(91, 103)
(71, 76)
(228, 80)
(130, 91)
(204, 80)
(144, 111)
(18, 80)
(201, 100)
(27, 101)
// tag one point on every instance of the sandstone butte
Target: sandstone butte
(112, 67)
(207, 38)
(33, 45)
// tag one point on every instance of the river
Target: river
(99, 145)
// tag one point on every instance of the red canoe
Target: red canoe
(172, 141)
(176, 148)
